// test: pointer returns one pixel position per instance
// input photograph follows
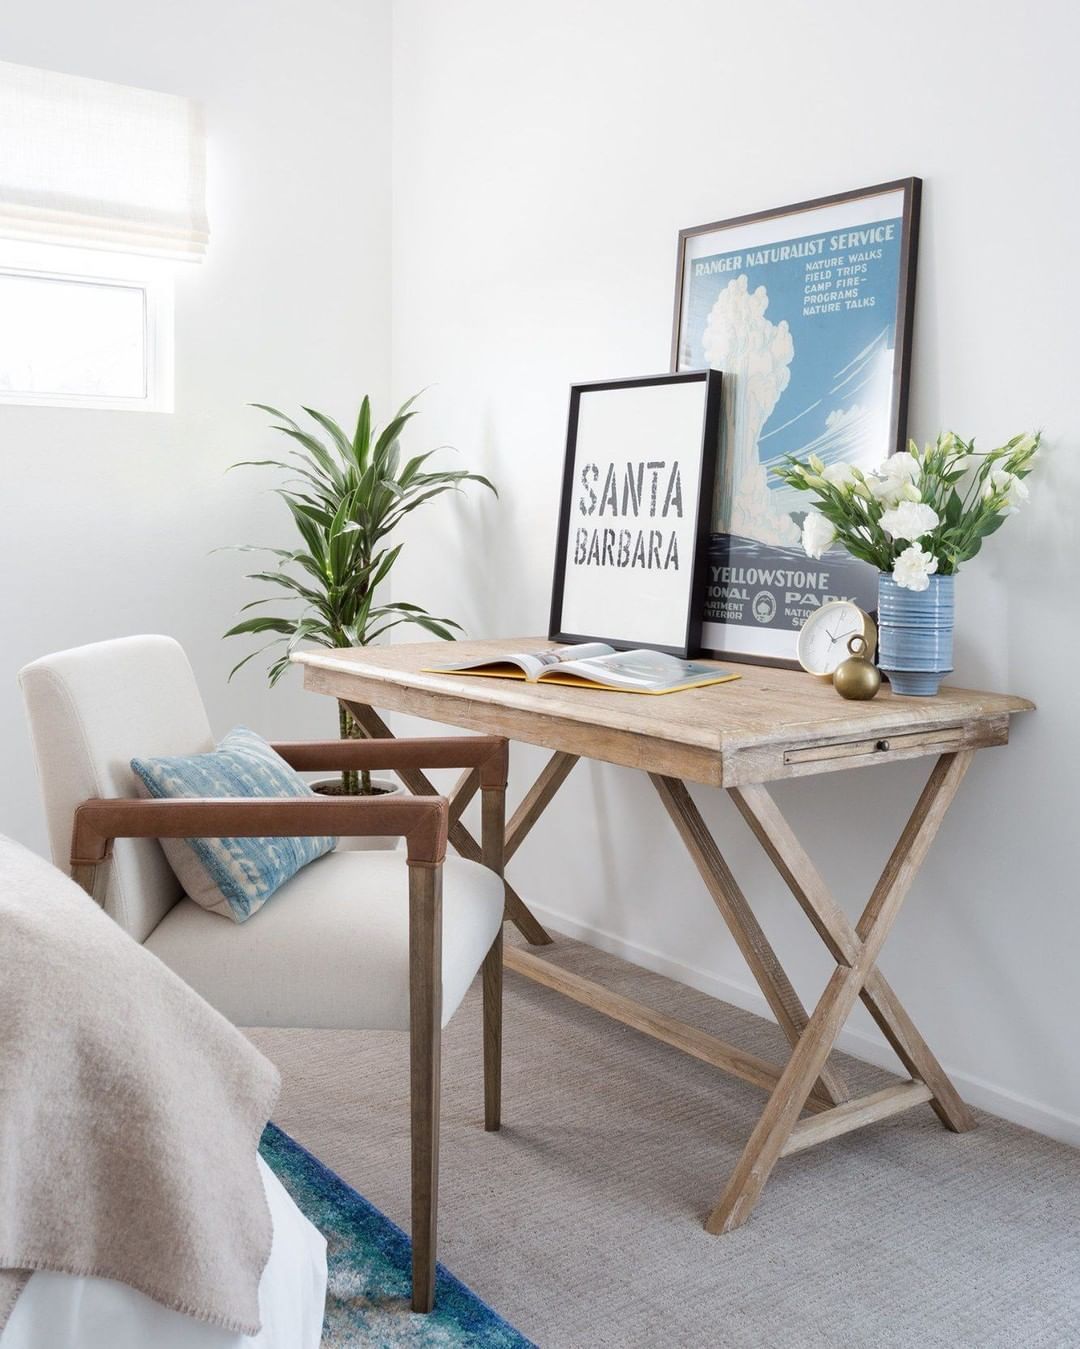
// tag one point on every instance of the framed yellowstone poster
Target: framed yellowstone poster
(634, 515)
(808, 312)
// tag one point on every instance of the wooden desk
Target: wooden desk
(771, 724)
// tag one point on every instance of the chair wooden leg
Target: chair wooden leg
(493, 844)
(425, 1037)
(493, 989)
(86, 876)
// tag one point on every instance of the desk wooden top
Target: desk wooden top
(768, 724)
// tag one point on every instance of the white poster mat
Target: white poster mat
(629, 569)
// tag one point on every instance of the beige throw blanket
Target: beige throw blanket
(130, 1112)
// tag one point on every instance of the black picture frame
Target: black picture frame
(851, 578)
(693, 574)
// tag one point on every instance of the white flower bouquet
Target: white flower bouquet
(921, 512)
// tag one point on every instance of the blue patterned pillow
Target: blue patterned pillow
(231, 876)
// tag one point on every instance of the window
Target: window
(102, 189)
(80, 328)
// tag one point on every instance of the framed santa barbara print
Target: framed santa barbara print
(634, 514)
(808, 311)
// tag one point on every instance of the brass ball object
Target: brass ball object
(857, 678)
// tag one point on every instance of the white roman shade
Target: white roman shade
(100, 165)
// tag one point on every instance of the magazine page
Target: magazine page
(562, 655)
(530, 664)
(640, 672)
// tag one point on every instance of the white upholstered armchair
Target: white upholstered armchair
(360, 940)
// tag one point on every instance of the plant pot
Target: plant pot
(915, 635)
(363, 842)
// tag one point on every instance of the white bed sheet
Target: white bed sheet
(61, 1311)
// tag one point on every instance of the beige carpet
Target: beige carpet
(581, 1221)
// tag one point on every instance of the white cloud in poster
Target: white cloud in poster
(755, 356)
(857, 433)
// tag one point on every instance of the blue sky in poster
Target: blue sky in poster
(837, 292)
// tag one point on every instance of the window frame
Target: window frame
(152, 276)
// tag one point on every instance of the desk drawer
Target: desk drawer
(881, 747)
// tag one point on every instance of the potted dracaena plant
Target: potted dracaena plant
(916, 518)
(347, 495)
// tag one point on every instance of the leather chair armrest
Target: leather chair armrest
(488, 753)
(421, 820)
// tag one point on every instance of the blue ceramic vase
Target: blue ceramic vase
(915, 632)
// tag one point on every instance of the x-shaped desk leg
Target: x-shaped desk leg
(779, 1130)
(461, 839)
(744, 927)
(830, 921)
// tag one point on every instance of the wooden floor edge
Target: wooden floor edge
(855, 1114)
(679, 1035)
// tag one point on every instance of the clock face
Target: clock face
(823, 640)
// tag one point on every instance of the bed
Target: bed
(62, 1311)
(130, 1111)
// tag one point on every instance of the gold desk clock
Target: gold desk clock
(823, 638)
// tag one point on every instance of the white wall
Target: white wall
(108, 519)
(544, 159)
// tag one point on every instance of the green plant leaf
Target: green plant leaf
(413, 467)
(433, 625)
(392, 430)
(310, 528)
(382, 569)
(286, 582)
(251, 656)
(252, 548)
(257, 463)
(342, 441)
(274, 412)
(286, 626)
(362, 436)
(319, 453)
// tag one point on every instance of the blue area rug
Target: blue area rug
(369, 1258)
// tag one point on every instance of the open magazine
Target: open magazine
(595, 665)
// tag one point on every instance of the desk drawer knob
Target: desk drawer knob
(882, 745)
